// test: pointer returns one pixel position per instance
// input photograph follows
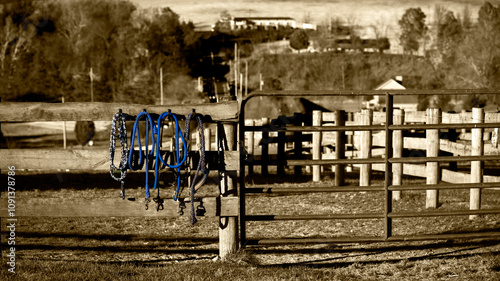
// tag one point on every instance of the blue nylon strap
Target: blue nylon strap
(150, 126)
(179, 162)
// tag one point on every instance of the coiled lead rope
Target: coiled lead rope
(201, 163)
(119, 118)
(150, 126)
(179, 162)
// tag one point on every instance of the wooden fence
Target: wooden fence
(226, 206)
(275, 144)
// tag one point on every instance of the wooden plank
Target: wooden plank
(460, 149)
(419, 117)
(408, 169)
(457, 177)
(85, 159)
(115, 207)
(101, 111)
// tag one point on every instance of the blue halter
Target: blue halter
(150, 126)
(178, 135)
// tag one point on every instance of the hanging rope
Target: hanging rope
(150, 126)
(201, 163)
(119, 118)
(179, 162)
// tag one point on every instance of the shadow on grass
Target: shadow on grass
(440, 256)
(81, 181)
(380, 247)
(159, 244)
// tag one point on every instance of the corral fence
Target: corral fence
(222, 158)
(233, 154)
(388, 156)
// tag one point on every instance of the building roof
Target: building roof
(261, 18)
(390, 84)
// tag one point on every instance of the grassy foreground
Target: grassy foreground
(113, 248)
(243, 267)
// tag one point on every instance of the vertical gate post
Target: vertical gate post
(228, 226)
(452, 138)
(316, 148)
(476, 171)
(432, 139)
(366, 148)
(264, 142)
(397, 168)
(281, 153)
(389, 99)
(339, 148)
(297, 143)
(250, 144)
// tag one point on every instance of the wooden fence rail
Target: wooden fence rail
(225, 207)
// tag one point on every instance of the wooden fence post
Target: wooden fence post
(264, 142)
(350, 139)
(476, 171)
(463, 117)
(228, 226)
(316, 142)
(339, 148)
(250, 142)
(366, 147)
(64, 129)
(452, 137)
(432, 139)
(208, 139)
(297, 144)
(280, 170)
(397, 144)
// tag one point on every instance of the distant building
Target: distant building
(235, 23)
(408, 103)
(266, 22)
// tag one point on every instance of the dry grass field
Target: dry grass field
(171, 249)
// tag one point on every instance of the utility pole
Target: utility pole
(161, 85)
(91, 85)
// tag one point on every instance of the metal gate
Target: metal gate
(388, 160)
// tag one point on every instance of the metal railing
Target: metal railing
(387, 215)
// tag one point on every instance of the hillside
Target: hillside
(329, 71)
(375, 17)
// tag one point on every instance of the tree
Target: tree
(477, 63)
(450, 33)
(413, 29)
(299, 40)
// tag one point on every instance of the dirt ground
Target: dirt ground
(174, 240)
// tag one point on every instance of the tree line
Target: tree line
(455, 53)
(50, 49)
(466, 52)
